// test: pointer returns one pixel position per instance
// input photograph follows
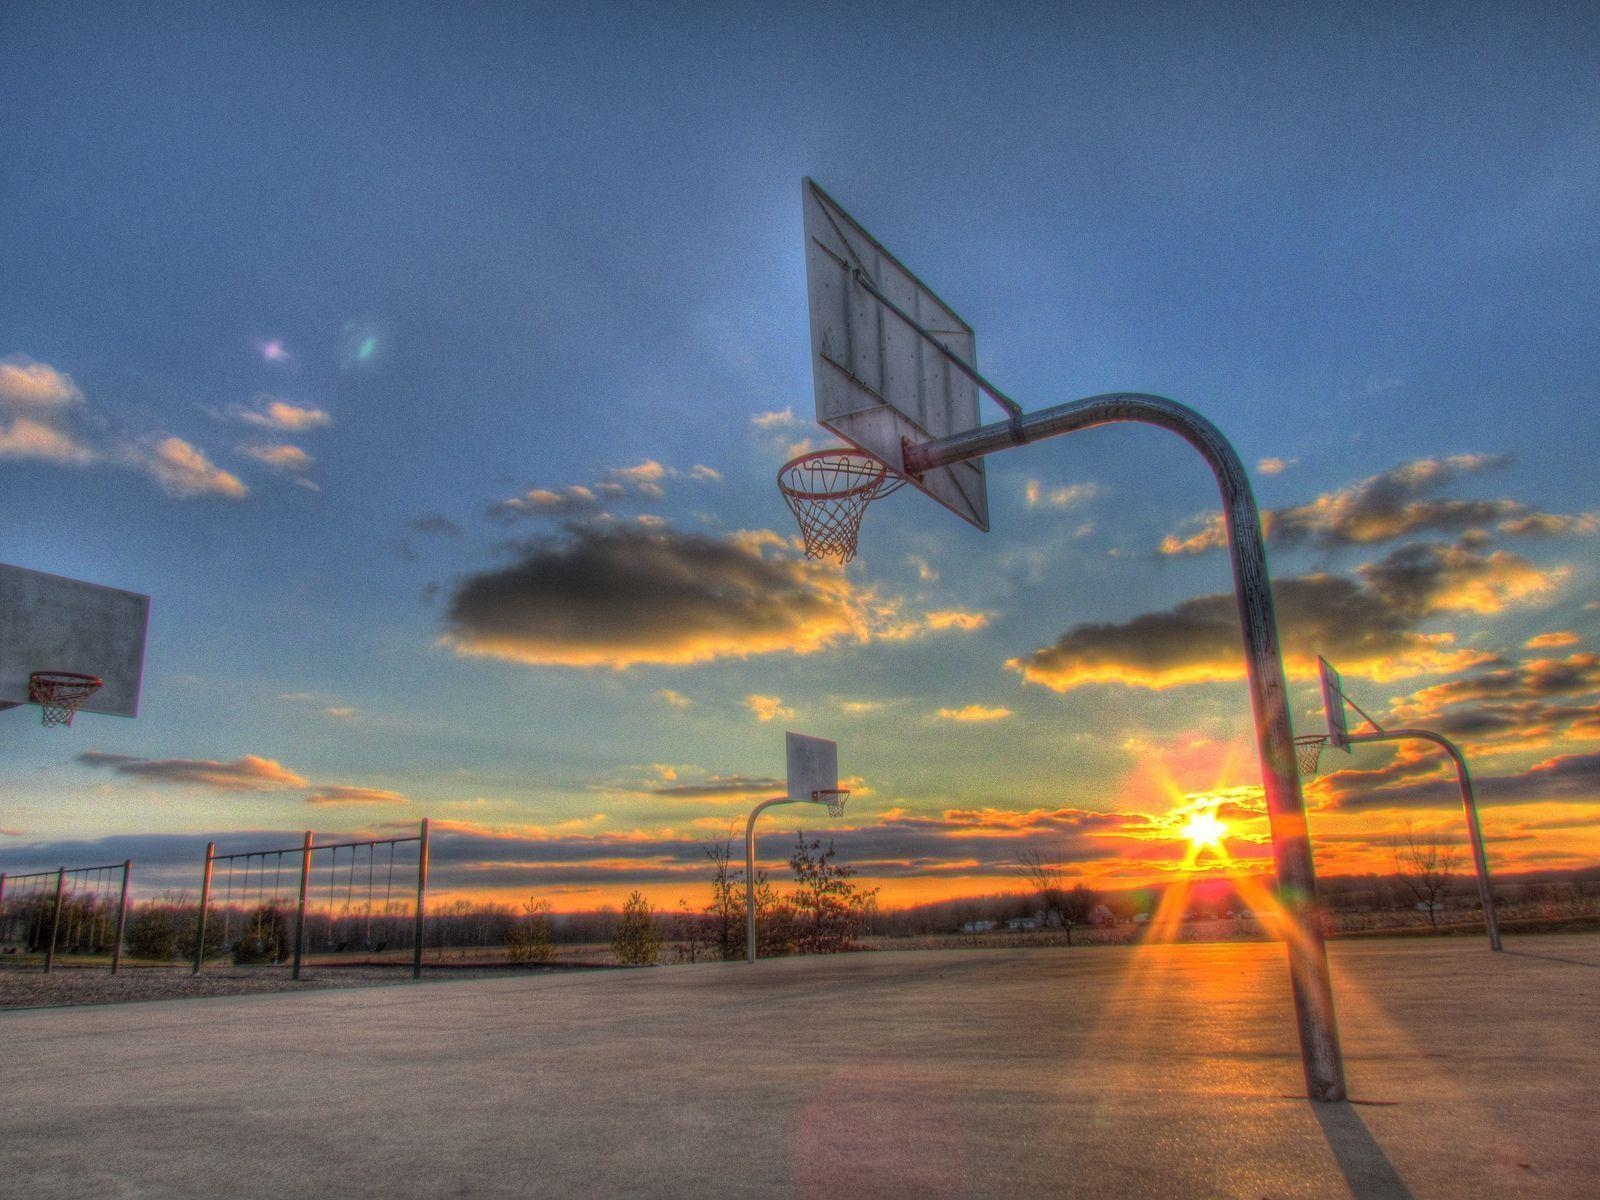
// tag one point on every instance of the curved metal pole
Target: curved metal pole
(750, 874)
(1291, 843)
(1491, 919)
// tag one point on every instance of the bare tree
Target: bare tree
(1427, 867)
(1046, 874)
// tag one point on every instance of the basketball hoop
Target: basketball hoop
(1307, 750)
(828, 491)
(60, 693)
(834, 798)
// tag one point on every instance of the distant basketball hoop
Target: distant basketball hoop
(828, 491)
(59, 693)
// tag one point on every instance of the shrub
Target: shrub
(528, 939)
(636, 944)
(264, 938)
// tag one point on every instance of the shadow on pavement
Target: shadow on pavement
(1362, 1162)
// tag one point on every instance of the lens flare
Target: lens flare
(362, 343)
(1204, 830)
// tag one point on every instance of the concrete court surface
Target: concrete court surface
(1164, 1071)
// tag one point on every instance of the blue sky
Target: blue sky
(387, 267)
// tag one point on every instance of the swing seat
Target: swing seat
(380, 947)
(340, 948)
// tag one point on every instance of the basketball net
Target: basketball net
(828, 491)
(59, 693)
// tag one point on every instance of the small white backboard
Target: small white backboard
(52, 623)
(876, 379)
(813, 766)
(1333, 705)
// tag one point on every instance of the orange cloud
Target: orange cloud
(1552, 640)
(183, 470)
(339, 794)
(973, 713)
(250, 773)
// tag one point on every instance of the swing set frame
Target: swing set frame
(307, 850)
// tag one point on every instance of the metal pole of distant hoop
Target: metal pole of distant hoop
(1491, 919)
(750, 874)
(1291, 843)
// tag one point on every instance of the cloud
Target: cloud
(280, 457)
(784, 419)
(1565, 776)
(860, 708)
(1040, 496)
(1537, 679)
(616, 596)
(1369, 626)
(973, 713)
(705, 474)
(183, 471)
(26, 384)
(1275, 466)
(1385, 507)
(723, 787)
(250, 773)
(270, 412)
(673, 699)
(540, 502)
(39, 402)
(768, 708)
(1552, 640)
(339, 794)
(964, 622)
(1552, 525)
(642, 480)
(434, 525)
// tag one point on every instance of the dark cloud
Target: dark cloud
(249, 773)
(1396, 503)
(434, 525)
(619, 595)
(1565, 777)
(1368, 626)
(1537, 679)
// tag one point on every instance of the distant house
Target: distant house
(978, 926)
(1102, 916)
(1022, 923)
(1140, 918)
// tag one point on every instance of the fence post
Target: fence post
(122, 916)
(55, 923)
(205, 898)
(300, 913)
(422, 891)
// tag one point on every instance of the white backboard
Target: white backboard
(876, 380)
(51, 623)
(813, 765)
(1333, 705)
